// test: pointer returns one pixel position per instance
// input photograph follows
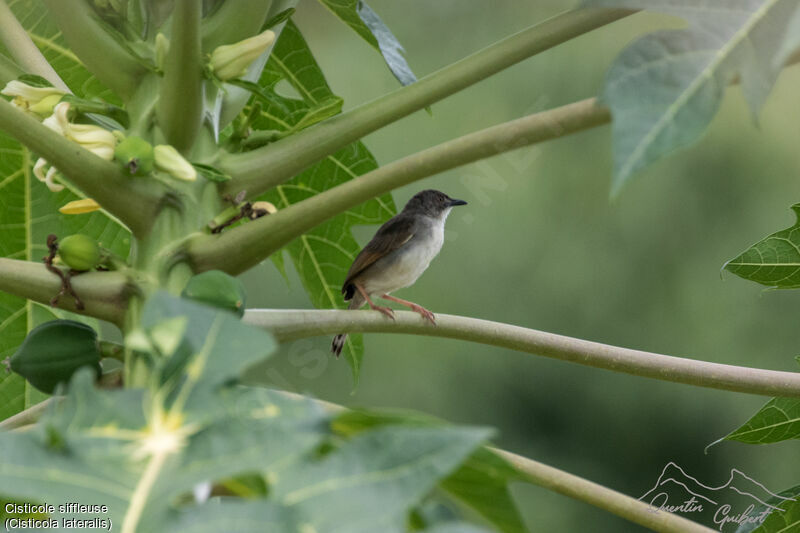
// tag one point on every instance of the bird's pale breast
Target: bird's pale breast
(405, 265)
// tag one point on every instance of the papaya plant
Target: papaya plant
(150, 156)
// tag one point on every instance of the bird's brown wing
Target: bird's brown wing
(391, 236)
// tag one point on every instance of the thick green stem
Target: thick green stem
(295, 324)
(609, 500)
(133, 201)
(263, 168)
(245, 246)
(180, 103)
(22, 49)
(106, 58)
(8, 69)
(104, 294)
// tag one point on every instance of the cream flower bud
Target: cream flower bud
(26, 96)
(231, 60)
(87, 134)
(169, 160)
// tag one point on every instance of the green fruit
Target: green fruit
(136, 155)
(79, 252)
(218, 289)
(53, 351)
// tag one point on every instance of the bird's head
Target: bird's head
(432, 203)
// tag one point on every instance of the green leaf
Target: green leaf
(366, 23)
(778, 420)
(785, 519)
(664, 89)
(323, 255)
(368, 484)
(29, 211)
(773, 261)
(481, 482)
(139, 450)
(211, 173)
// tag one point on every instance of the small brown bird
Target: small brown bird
(397, 256)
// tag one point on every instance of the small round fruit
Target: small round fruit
(52, 352)
(218, 289)
(79, 252)
(136, 155)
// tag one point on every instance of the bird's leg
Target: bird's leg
(385, 310)
(414, 307)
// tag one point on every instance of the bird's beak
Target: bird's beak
(454, 202)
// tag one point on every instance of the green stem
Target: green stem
(180, 104)
(105, 294)
(22, 49)
(87, 37)
(134, 202)
(289, 325)
(607, 499)
(245, 246)
(26, 417)
(259, 170)
(8, 69)
(112, 350)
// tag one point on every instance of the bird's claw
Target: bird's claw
(427, 315)
(385, 310)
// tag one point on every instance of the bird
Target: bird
(397, 255)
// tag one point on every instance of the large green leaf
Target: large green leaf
(29, 211)
(778, 420)
(366, 485)
(773, 261)
(665, 88)
(142, 452)
(367, 24)
(481, 482)
(785, 519)
(323, 255)
(137, 450)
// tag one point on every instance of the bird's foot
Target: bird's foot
(385, 310)
(427, 315)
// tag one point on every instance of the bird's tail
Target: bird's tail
(338, 341)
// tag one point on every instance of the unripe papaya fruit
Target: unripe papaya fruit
(136, 155)
(79, 252)
(53, 351)
(218, 289)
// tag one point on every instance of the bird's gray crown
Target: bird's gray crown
(431, 202)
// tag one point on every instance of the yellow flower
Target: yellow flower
(231, 60)
(40, 100)
(78, 207)
(169, 160)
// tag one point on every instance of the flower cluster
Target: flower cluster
(97, 140)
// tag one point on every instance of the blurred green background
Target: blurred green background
(541, 245)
